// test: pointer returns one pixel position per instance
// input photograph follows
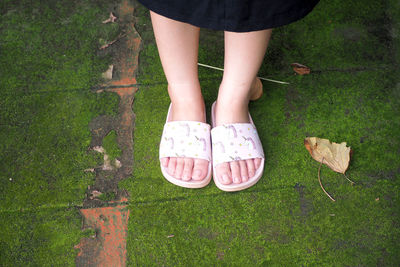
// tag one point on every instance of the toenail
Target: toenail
(196, 174)
(225, 178)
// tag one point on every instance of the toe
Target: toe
(257, 163)
(200, 169)
(171, 166)
(250, 167)
(180, 163)
(235, 169)
(243, 171)
(187, 169)
(164, 162)
(224, 173)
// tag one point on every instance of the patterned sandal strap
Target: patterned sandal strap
(189, 139)
(238, 141)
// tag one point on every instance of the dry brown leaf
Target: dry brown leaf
(335, 156)
(111, 19)
(95, 194)
(300, 69)
(108, 74)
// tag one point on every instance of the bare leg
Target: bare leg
(178, 44)
(244, 53)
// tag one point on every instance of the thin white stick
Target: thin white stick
(261, 78)
(210, 67)
(320, 183)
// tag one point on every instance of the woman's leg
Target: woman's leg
(244, 53)
(178, 44)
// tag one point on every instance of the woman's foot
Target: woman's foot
(233, 110)
(180, 168)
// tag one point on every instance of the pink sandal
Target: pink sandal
(236, 141)
(189, 139)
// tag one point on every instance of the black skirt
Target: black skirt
(233, 15)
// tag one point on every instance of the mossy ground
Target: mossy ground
(48, 64)
(351, 95)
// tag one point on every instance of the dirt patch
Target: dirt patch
(125, 53)
(294, 109)
(349, 33)
(108, 246)
(305, 204)
(373, 177)
(206, 233)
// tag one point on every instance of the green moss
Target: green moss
(47, 102)
(111, 147)
(49, 66)
(285, 219)
(89, 232)
(39, 237)
(107, 196)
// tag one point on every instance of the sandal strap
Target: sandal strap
(237, 141)
(188, 139)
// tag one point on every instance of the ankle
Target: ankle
(192, 110)
(231, 111)
(232, 103)
(185, 91)
(241, 91)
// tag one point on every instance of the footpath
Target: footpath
(83, 101)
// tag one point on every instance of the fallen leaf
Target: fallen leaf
(300, 69)
(335, 156)
(95, 194)
(117, 163)
(108, 74)
(107, 165)
(111, 19)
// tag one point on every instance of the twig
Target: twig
(320, 183)
(349, 179)
(121, 35)
(261, 78)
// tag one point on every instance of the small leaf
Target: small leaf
(335, 156)
(300, 69)
(111, 19)
(95, 194)
(108, 74)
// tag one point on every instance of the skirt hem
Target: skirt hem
(295, 13)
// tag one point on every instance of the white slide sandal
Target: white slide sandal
(188, 139)
(235, 141)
